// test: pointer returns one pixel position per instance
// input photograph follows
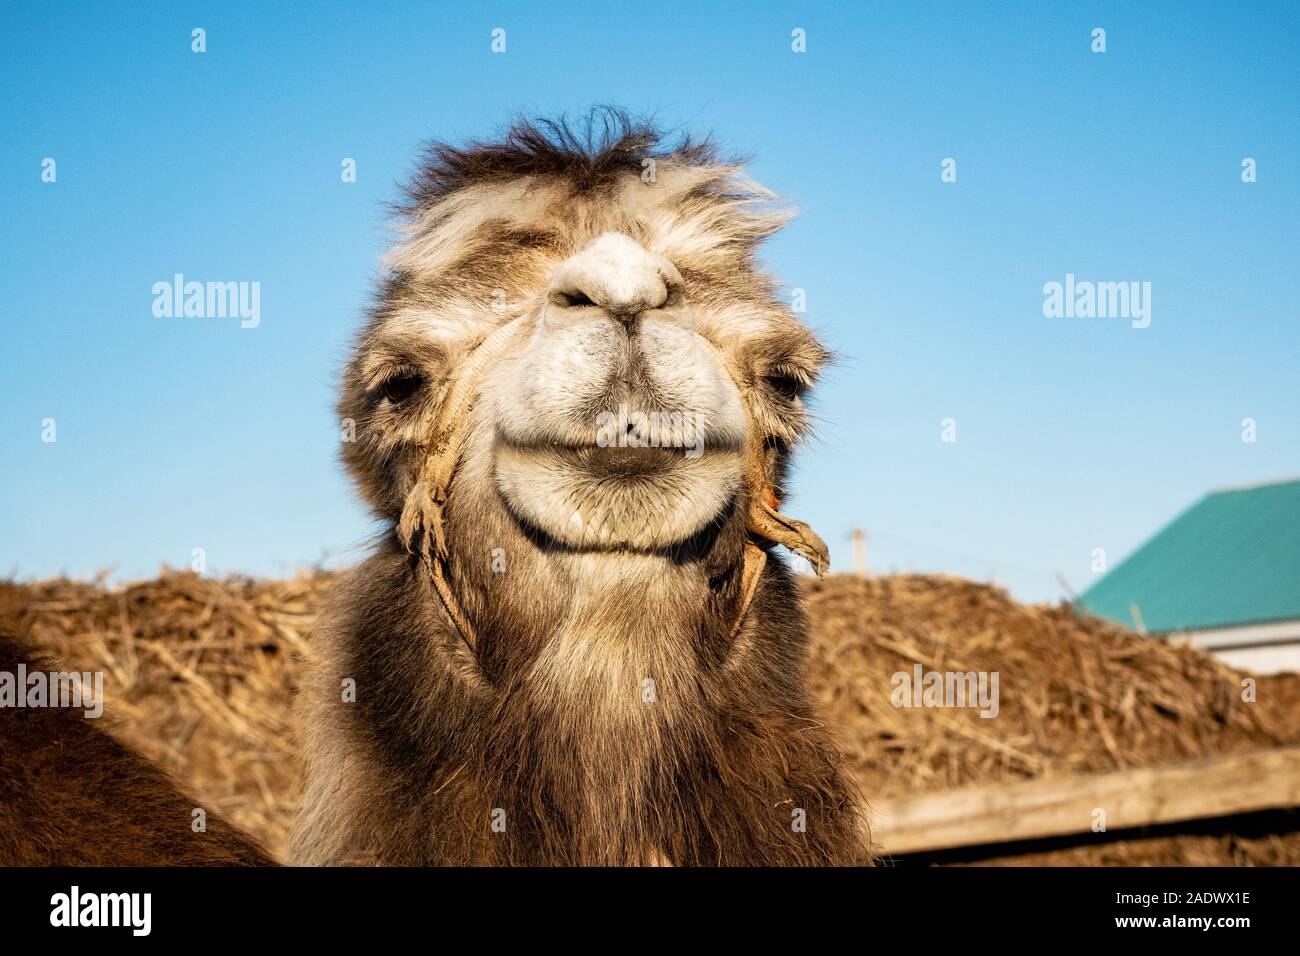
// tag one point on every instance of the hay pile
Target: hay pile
(1077, 695)
(200, 674)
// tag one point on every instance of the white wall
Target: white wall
(1260, 648)
(1262, 660)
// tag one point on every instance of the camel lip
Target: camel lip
(703, 445)
(613, 462)
(616, 461)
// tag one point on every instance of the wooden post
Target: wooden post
(859, 551)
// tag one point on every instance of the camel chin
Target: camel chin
(599, 498)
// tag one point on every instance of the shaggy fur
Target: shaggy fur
(606, 714)
(71, 795)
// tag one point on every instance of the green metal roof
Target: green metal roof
(1233, 558)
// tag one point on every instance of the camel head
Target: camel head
(578, 320)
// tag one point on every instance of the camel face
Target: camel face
(617, 423)
(649, 353)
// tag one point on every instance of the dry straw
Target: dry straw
(200, 675)
(1077, 695)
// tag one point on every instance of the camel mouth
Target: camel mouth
(589, 496)
(612, 463)
(615, 461)
(625, 437)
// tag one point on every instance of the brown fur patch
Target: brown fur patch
(72, 795)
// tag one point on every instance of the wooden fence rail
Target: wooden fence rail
(1066, 805)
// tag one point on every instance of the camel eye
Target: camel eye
(785, 386)
(577, 300)
(401, 387)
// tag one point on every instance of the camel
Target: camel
(73, 795)
(574, 403)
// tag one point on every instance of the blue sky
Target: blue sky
(1072, 434)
